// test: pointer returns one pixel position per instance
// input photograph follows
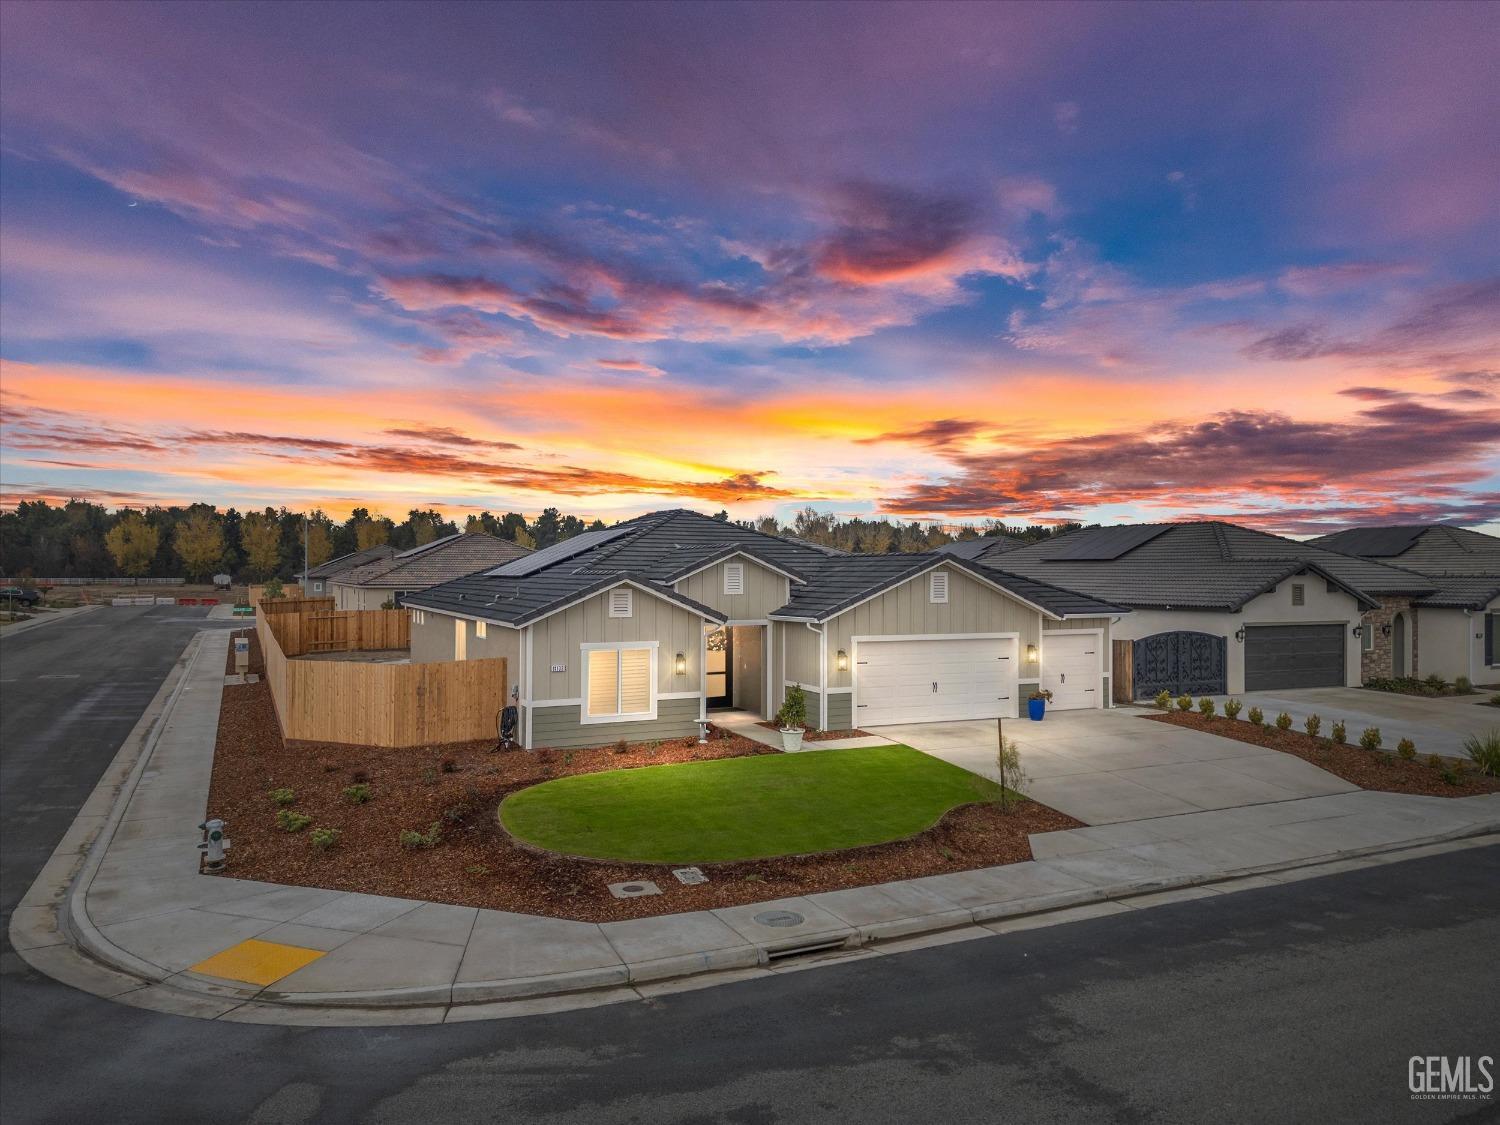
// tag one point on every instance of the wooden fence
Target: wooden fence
(279, 607)
(341, 630)
(393, 705)
(288, 591)
(1122, 676)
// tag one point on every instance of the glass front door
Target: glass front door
(720, 666)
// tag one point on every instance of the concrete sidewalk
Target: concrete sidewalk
(122, 912)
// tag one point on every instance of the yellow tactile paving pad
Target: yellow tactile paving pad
(257, 962)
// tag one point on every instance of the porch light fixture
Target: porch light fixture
(1239, 634)
(1359, 630)
(1385, 630)
(680, 665)
(841, 661)
(1031, 654)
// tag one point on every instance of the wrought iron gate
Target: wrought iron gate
(1183, 663)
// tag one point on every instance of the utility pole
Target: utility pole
(303, 583)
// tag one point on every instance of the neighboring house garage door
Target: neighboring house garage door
(1182, 662)
(935, 681)
(1293, 656)
(1073, 670)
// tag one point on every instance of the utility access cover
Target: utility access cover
(779, 918)
(691, 876)
(639, 889)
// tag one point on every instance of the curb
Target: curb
(52, 617)
(177, 991)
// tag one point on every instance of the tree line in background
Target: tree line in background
(80, 539)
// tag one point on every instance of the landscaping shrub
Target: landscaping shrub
(289, 820)
(1312, 724)
(429, 776)
(413, 841)
(1370, 740)
(1164, 700)
(1339, 733)
(357, 794)
(1435, 761)
(323, 838)
(1184, 703)
(793, 713)
(448, 765)
(1450, 775)
(1206, 707)
(1283, 721)
(1407, 685)
(1406, 750)
(1256, 716)
(621, 746)
(282, 797)
(359, 777)
(1463, 685)
(1436, 683)
(1484, 751)
(1012, 773)
(329, 765)
(1233, 707)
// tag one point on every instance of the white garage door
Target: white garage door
(1072, 670)
(935, 681)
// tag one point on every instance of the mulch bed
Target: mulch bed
(811, 735)
(475, 862)
(1377, 769)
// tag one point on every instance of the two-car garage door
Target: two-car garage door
(935, 681)
(1294, 656)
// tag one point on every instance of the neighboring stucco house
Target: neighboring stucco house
(391, 579)
(1220, 608)
(1453, 630)
(643, 630)
(315, 580)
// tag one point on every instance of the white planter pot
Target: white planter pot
(791, 740)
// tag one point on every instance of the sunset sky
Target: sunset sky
(948, 262)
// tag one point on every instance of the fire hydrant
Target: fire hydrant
(214, 845)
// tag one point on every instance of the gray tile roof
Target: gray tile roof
(350, 561)
(518, 601)
(1201, 565)
(442, 560)
(986, 546)
(1431, 549)
(1462, 592)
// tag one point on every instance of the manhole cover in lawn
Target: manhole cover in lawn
(779, 918)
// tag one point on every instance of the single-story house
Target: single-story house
(1219, 608)
(1453, 630)
(316, 578)
(642, 630)
(391, 579)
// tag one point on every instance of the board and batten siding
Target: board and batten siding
(801, 656)
(559, 640)
(436, 639)
(764, 590)
(906, 611)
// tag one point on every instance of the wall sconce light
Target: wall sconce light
(1031, 654)
(680, 665)
(841, 661)
(1385, 630)
(1239, 634)
(1359, 630)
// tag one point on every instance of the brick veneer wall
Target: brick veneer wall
(1379, 662)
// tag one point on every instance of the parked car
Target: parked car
(21, 594)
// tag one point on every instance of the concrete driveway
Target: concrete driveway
(1437, 725)
(1108, 766)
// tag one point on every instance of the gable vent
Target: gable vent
(937, 587)
(1299, 594)
(621, 602)
(734, 578)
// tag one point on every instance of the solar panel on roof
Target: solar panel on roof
(1379, 542)
(428, 546)
(558, 552)
(1105, 543)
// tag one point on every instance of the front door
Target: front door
(720, 666)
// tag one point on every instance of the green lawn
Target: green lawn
(743, 808)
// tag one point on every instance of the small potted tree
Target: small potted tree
(793, 719)
(1036, 704)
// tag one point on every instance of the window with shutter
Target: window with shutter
(621, 602)
(619, 683)
(734, 578)
(937, 587)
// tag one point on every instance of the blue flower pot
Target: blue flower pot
(1036, 708)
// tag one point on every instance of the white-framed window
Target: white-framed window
(480, 629)
(418, 617)
(937, 587)
(619, 682)
(1299, 594)
(460, 640)
(1367, 636)
(734, 578)
(622, 602)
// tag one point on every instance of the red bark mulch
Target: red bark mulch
(1378, 769)
(811, 735)
(475, 863)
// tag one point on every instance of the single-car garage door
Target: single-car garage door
(934, 681)
(1293, 656)
(1073, 670)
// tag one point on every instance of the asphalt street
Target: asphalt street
(1292, 1003)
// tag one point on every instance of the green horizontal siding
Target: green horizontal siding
(840, 704)
(559, 726)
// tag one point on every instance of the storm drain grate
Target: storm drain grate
(779, 918)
